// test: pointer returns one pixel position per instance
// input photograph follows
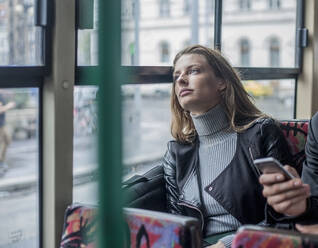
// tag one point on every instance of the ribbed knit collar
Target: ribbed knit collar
(211, 122)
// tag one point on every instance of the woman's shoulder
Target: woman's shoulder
(264, 122)
(174, 144)
(176, 148)
(261, 127)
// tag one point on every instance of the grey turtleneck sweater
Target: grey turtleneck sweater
(216, 151)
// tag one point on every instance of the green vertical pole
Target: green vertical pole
(109, 138)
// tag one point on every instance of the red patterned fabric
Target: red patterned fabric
(80, 228)
(148, 232)
(296, 136)
(259, 239)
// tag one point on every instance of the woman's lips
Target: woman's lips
(185, 92)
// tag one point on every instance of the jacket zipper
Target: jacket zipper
(255, 168)
(193, 207)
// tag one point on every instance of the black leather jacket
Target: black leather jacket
(237, 188)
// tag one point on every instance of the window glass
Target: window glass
(274, 4)
(164, 8)
(20, 40)
(245, 52)
(274, 49)
(19, 175)
(85, 145)
(244, 4)
(258, 26)
(147, 23)
(164, 52)
(146, 126)
(274, 97)
(87, 49)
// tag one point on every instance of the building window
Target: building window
(244, 4)
(274, 4)
(132, 53)
(274, 52)
(186, 7)
(245, 52)
(164, 52)
(164, 8)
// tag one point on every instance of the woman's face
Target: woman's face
(196, 86)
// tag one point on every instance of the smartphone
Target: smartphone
(272, 165)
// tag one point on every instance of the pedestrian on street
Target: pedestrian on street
(5, 138)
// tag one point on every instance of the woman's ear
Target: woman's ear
(221, 85)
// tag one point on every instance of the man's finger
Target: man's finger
(284, 206)
(312, 229)
(282, 187)
(276, 199)
(269, 179)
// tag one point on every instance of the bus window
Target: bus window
(145, 126)
(85, 145)
(19, 167)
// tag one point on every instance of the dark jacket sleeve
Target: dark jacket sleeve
(169, 167)
(310, 170)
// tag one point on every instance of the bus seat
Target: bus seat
(162, 229)
(295, 132)
(79, 227)
(256, 236)
(146, 191)
(144, 228)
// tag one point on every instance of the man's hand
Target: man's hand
(311, 229)
(219, 244)
(285, 197)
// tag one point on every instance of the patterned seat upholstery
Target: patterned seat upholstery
(295, 132)
(260, 237)
(79, 227)
(145, 229)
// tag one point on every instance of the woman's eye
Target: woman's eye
(194, 70)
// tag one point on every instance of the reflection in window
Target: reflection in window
(245, 52)
(164, 52)
(274, 52)
(245, 4)
(186, 7)
(274, 4)
(164, 8)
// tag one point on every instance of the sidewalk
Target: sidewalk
(81, 174)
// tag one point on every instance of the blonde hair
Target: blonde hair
(240, 110)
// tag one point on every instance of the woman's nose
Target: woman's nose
(182, 79)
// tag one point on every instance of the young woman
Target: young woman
(218, 131)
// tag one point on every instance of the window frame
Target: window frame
(84, 75)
